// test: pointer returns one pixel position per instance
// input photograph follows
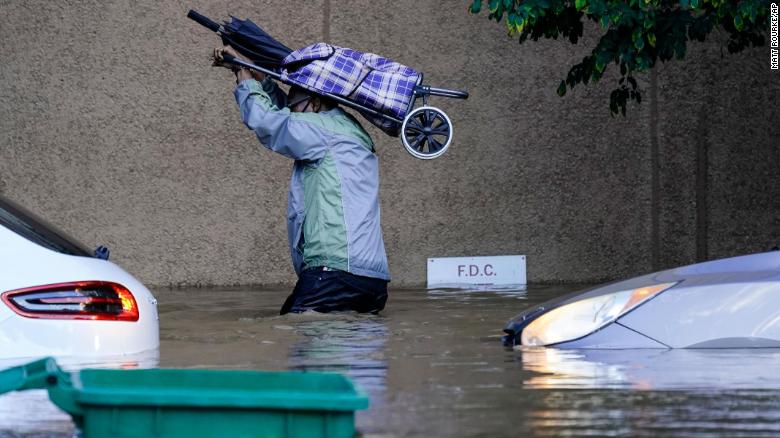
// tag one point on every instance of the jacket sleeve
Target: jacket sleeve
(278, 97)
(278, 129)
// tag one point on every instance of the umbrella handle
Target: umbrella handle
(203, 20)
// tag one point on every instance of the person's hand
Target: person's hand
(242, 73)
(218, 58)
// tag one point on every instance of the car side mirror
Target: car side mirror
(102, 252)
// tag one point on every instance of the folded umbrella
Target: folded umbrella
(248, 39)
(252, 41)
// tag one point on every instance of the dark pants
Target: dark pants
(333, 291)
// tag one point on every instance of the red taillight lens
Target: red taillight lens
(93, 300)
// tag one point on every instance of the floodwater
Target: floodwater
(433, 365)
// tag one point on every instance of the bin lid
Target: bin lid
(214, 388)
(186, 388)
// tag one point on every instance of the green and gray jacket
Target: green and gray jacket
(333, 205)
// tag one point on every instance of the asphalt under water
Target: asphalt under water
(433, 365)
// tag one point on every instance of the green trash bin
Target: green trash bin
(195, 403)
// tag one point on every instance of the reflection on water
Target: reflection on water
(352, 345)
(752, 413)
(146, 359)
(479, 293)
(31, 412)
(433, 366)
(652, 369)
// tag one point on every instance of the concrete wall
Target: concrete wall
(113, 126)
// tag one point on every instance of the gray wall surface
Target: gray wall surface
(114, 127)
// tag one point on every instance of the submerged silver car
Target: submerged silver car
(728, 303)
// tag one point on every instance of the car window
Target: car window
(28, 225)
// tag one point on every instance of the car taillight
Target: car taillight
(93, 300)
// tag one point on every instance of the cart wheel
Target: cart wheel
(426, 132)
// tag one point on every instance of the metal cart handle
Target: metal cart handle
(226, 57)
(235, 61)
(426, 90)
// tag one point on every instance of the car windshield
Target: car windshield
(28, 225)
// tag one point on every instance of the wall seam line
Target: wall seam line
(326, 21)
(655, 175)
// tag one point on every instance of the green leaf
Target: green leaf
(613, 102)
(738, 23)
(651, 39)
(562, 88)
(511, 22)
(596, 7)
(580, 4)
(476, 6)
(679, 50)
(638, 38)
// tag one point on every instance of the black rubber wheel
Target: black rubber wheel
(426, 132)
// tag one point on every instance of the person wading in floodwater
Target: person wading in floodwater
(333, 206)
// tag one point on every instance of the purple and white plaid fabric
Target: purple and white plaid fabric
(364, 78)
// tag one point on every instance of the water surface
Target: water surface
(433, 365)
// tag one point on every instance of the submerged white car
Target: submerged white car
(728, 303)
(59, 299)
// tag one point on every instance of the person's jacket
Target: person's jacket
(333, 205)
